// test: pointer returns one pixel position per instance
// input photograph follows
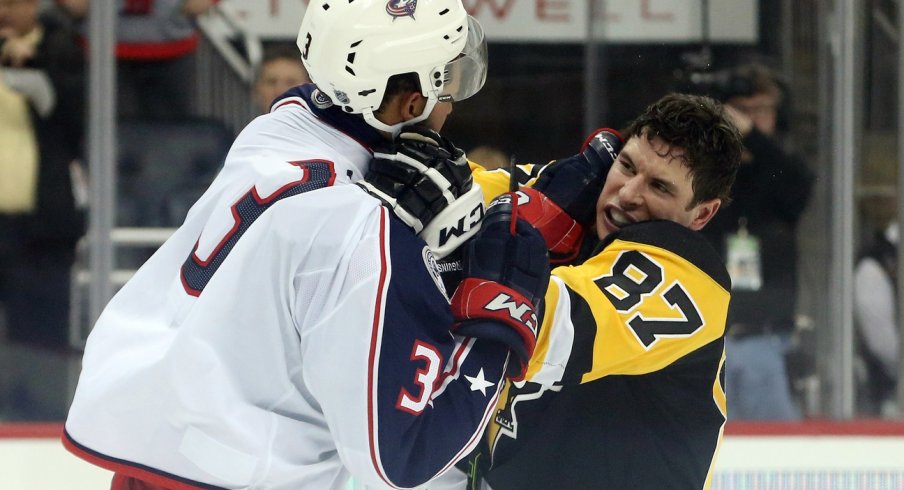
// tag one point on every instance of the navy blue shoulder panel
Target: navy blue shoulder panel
(428, 409)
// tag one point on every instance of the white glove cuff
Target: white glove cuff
(455, 224)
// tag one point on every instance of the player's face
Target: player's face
(414, 104)
(649, 181)
(437, 118)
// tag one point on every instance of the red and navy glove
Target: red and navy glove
(506, 273)
(562, 203)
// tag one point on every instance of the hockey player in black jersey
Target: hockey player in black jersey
(624, 388)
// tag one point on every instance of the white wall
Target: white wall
(549, 20)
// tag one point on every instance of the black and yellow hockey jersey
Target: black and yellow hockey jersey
(625, 387)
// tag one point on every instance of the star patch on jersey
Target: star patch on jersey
(401, 8)
(479, 382)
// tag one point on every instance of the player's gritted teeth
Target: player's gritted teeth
(614, 218)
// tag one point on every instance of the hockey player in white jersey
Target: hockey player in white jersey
(294, 332)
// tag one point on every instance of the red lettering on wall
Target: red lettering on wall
(552, 10)
(646, 13)
(474, 7)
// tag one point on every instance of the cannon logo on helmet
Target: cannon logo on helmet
(401, 8)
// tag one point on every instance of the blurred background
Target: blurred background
(108, 134)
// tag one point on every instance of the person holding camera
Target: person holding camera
(758, 237)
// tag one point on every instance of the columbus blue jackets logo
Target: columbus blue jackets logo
(401, 8)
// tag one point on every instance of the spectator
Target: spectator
(876, 315)
(757, 235)
(41, 108)
(280, 70)
(156, 41)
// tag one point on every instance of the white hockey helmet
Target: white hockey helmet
(352, 48)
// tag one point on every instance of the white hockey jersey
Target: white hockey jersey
(292, 334)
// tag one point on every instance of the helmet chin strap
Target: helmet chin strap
(395, 129)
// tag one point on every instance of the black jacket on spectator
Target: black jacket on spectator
(771, 192)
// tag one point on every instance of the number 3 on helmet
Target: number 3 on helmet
(351, 49)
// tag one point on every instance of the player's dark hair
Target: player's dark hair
(709, 144)
(398, 84)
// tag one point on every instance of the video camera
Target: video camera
(720, 84)
(739, 81)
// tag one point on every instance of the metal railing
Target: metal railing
(80, 280)
(225, 62)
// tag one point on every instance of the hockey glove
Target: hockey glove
(561, 233)
(563, 200)
(506, 272)
(427, 183)
(575, 183)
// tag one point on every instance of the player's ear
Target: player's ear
(401, 107)
(412, 105)
(703, 212)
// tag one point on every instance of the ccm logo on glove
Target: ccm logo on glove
(497, 301)
(516, 310)
(464, 225)
(602, 139)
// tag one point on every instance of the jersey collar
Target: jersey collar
(350, 124)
